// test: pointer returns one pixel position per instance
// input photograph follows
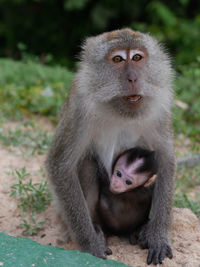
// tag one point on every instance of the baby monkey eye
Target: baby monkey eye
(119, 174)
(117, 59)
(137, 57)
(128, 182)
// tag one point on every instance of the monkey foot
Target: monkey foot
(158, 246)
(157, 254)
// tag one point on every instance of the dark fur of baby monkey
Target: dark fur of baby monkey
(120, 98)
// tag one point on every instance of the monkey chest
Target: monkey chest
(111, 140)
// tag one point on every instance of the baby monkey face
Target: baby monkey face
(126, 177)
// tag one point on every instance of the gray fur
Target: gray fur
(96, 126)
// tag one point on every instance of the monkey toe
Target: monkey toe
(158, 254)
(169, 252)
(108, 251)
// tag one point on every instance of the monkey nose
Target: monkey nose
(132, 78)
(116, 186)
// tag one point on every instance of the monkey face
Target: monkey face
(122, 181)
(127, 62)
(130, 73)
(125, 177)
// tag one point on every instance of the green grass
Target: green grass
(187, 180)
(187, 121)
(182, 201)
(32, 199)
(27, 88)
(27, 137)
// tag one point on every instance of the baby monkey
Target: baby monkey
(125, 199)
(133, 168)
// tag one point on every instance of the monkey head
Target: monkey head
(133, 168)
(129, 73)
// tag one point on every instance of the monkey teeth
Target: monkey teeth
(133, 98)
(132, 101)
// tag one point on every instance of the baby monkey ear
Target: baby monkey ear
(151, 181)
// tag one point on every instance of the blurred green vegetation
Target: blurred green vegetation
(187, 88)
(51, 31)
(31, 88)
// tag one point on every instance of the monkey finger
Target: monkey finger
(150, 256)
(162, 255)
(156, 256)
(169, 252)
(108, 251)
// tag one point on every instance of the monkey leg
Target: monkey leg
(155, 234)
(134, 236)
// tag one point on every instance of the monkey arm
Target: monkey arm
(62, 163)
(155, 234)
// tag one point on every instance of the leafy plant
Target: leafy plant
(186, 121)
(28, 138)
(31, 227)
(187, 178)
(182, 201)
(33, 198)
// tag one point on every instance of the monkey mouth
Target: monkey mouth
(132, 101)
(132, 98)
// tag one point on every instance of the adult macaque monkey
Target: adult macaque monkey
(120, 98)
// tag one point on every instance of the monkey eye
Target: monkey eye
(119, 174)
(137, 57)
(117, 59)
(128, 182)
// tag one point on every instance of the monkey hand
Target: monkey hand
(156, 243)
(97, 245)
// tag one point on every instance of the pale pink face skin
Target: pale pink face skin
(129, 179)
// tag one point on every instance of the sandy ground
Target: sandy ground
(185, 231)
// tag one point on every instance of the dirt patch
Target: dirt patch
(185, 231)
